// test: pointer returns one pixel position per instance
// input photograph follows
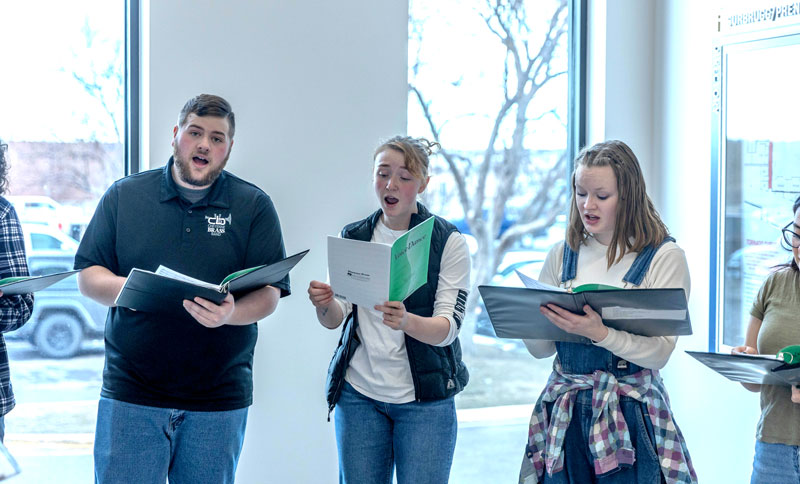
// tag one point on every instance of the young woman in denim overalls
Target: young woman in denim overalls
(773, 325)
(604, 415)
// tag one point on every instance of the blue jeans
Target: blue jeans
(142, 445)
(373, 437)
(776, 464)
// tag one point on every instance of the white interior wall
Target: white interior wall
(621, 50)
(315, 86)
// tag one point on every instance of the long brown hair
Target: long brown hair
(3, 168)
(637, 222)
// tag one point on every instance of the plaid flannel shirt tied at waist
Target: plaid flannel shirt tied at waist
(609, 440)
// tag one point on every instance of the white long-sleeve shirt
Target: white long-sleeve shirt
(379, 368)
(667, 270)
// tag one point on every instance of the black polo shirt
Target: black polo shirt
(171, 360)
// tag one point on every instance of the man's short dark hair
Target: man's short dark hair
(208, 105)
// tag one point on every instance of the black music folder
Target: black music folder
(514, 311)
(760, 369)
(166, 289)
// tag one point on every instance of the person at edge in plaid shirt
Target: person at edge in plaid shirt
(773, 325)
(14, 310)
(604, 415)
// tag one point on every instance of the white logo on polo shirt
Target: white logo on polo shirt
(217, 223)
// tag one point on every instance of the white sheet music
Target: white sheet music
(619, 312)
(532, 283)
(359, 271)
(173, 274)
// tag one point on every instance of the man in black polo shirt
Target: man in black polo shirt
(176, 385)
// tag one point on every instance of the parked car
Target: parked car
(44, 211)
(45, 240)
(62, 317)
(37, 209)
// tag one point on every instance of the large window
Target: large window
(757, 152)
(63, 118)
(489, 81)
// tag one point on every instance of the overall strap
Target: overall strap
(569, 264)
(641, 264)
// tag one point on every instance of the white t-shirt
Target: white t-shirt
(379, 368)
(667, 270)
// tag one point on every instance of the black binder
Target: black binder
(760, 369)
(151, 292)
(514, 311)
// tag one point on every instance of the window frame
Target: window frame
(133, 41)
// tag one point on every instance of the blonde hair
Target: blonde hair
(416, 153)
(637, 222)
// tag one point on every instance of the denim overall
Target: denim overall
(579, 358)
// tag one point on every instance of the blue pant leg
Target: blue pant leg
(364, 439)
(776, 464)
(206, 446)
(131, 443)
(578, 466)
(424, 440)
(646, 468)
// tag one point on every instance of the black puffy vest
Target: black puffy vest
(437, 371)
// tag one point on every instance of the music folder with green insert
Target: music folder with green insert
(514, 311)
(165, 289)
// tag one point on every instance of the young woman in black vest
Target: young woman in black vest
(398, 365)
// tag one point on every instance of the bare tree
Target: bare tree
(78, 172)
(102, 78)
(507, 170)
(98, 69)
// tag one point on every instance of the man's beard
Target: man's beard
(185, 170)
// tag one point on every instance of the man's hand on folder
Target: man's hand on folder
(589, 325)
(209, 314)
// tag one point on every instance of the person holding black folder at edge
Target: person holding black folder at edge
(773, 326)
(614, 237)
(177, 384)
(398, 365)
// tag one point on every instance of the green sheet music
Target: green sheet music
(408, 269)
